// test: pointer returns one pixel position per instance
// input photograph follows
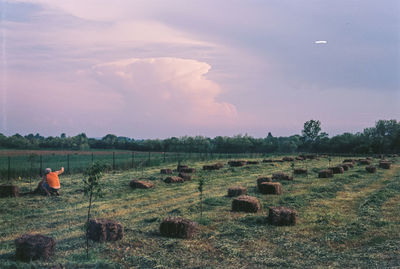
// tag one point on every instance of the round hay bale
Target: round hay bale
(299, 158)
(300, 171)
(344, 166)
(370, 169)
(336, 169)
(325, 173)
(236, 191)
(364, 161)
(31, 247)
(263, 179)
(173, 179)
(385, 164)
(349, 161)
(237, 163)
(166, 171)
(215, 166)
(178, 227)
(188, 170)
(9, 191)
(245, 203)
(288, 159)
(185, 177)
(281, 176)
(138, 184)
(270, 188)
(101, 230)
(282, 216)
(349, 165)
(253, 162)
(267, 161)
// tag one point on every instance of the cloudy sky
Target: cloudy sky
(155, 69)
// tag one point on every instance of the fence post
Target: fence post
(164, 156)
(133, 159)
(69, 172)
(41, 166)
(9, 169)
(113, 160)
(92, 157)
(149, 159)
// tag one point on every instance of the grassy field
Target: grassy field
(350, 220)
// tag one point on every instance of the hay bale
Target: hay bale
(9, 191)
(278, 161)
(138, 184)
(188, 170)
(299, 158)
(101, 230)
(364, 161)
(178, 227)
(344, 166)
(282, 216)
(253, 162)
(173, 179)
(300, 171)
(236, 191)
(281, 176)
(353, 161)
(263, 179)
(185, 177)
(166, 171)
(180, 167)
(325, 173)
(288, 159)
(349, 165)
(385, 164)
(246, 203)
(370, 169)
(31, 247)
(336, 169)
(215, 166)
(270, 188)
(237, 163)
(267, 161)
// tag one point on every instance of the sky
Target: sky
(156, 69)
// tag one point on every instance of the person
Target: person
(51, 182)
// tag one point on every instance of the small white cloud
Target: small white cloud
(321, 42)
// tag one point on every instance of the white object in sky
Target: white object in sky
(321, 42)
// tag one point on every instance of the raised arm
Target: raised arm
(59, 172)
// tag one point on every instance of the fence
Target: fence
(33, 165)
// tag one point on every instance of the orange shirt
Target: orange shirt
(53, 180)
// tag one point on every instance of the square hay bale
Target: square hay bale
(353, 161)
(281, 176)
(344, 166)
(364, 161)
(270, 188)
(185, 177)
(180, 167)
(237, 163)
(253, 162)
(236, 191)
(215, 166)
(31, 247)
(300, 171)
(263, 179)
(178, 227)
(166, 171)
(267, 161)
(282, 216)
(9, 191)
(139, 184)
(325, 173)
(336, 169)
(173, 179)
(188, 170)
(370, 169)
(288, 159)
(385, 164)
(101, 230)
(245, 203)
(299, 158)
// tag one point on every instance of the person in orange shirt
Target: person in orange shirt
(51, 182)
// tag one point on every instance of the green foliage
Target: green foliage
(91, 182)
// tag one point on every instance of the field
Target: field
(350, 220)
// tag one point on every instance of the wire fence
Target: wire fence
(33, 165)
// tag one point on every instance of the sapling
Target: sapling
(200, 188)
(292, 165)
(92, 188)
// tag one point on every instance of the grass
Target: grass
(350, 220)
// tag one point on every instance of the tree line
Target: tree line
(384, 137)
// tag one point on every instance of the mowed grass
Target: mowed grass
(350, 220)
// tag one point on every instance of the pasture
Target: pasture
(349, 220)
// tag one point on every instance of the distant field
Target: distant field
(350, 220)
